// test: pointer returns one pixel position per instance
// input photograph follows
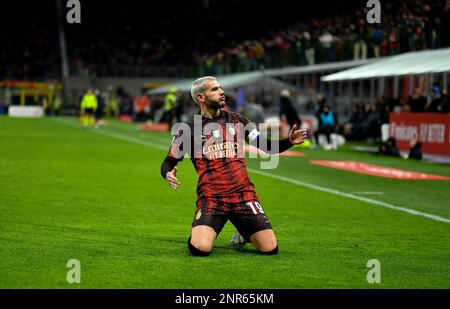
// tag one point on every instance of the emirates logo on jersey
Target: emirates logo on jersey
(222, 150)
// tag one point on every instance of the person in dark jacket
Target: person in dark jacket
(389, 148)
(415, 150)
(418, 102)
(288, 110)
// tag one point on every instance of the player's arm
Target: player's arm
(175, 155)
(169, 171)
(266, 144)
(255, 138)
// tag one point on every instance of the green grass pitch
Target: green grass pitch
(96, 195)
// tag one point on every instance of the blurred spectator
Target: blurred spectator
(384, 111)
(415, 150)
(100, 112)
(8, 99)
(112, 106)
(445, 102)
(56, 105)
(417, 102)
(377, 39)
(406, 26)
(434, 106)
(179, 108)
(327, 40)
(389, 148)
(169, 105)
(327, 124)
(368, 126)
(142, 107)
(321, 102)
(309, 49)
(287, 109)
(404, 106)
(349, 127)
(240, 100)
(360, 46)
(89, 105)
(125, 103)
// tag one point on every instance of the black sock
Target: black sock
(273, 252)
(194, 251)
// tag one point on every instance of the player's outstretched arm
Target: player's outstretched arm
(169, 172)
(254, 138)
(297, 136)
(171, 178)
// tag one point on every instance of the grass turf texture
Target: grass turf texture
(73, 193)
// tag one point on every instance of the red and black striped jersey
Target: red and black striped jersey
(215, 147)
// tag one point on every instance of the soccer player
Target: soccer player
(214, 142)
(89, 105)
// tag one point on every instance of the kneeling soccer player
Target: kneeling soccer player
(214, 142)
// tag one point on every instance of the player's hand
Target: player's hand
(171, 178)
(297, 136)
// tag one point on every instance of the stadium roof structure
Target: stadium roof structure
(268, 76)
(232, 80)
(411, 63)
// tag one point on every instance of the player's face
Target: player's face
(214, 95)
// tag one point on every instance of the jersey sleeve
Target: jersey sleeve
(177, 148)
(255, 138)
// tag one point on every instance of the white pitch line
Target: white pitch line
(355, 197)
(368, 193)
(115, 135)
(283, 178)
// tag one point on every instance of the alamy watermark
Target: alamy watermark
(374, 274)
(74, 274)
(74, 14)
(212, 141)
(374, 14)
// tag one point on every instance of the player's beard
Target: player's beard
(219, 104)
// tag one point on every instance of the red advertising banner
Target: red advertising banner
(433, 130)
(377, 170)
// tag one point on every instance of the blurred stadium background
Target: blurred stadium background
(95, 193)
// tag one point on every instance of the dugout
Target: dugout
(397, 75)
(26, 98)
